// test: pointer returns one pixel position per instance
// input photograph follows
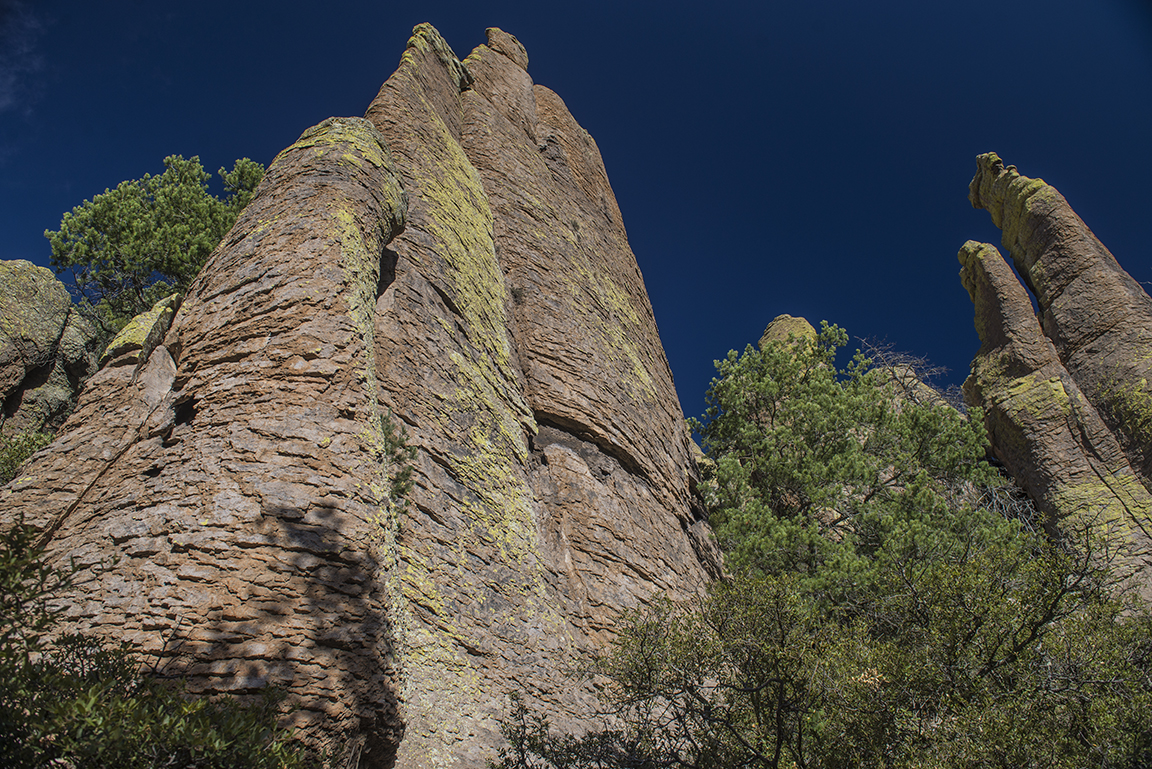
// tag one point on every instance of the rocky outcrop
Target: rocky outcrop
(455, 263)
(552, 440)
(1098, 318)
(786, 327)
(1048, 435)
(136, 341)
(232, 475)
(46, 349)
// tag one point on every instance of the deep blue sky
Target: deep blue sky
(809, 158)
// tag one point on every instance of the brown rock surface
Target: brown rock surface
(46, 349)
(233, 473)
(238, 470)
(1097, 316)
(1049, 436)
(546, 407)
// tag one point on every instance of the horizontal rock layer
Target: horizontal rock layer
(221, 494)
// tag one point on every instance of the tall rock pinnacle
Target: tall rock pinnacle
(456, 263)
(1065, 397)
(1097, 316)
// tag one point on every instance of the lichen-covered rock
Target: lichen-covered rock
(1096, 315)
(234, 478)
(553, 483)
(238, 470)
(136, 341)
(1048, 435)
(46, 349)
(785, 327)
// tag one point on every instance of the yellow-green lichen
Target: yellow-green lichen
(1129, 406)
(610, 313)
(461, 222)
(493, 545)
(1039, 398)
(427, 40)
(355, 136)
(1113, 504)
(143, 332)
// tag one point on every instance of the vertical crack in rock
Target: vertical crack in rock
(1047, 433)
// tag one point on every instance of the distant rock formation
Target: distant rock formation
(785, 327)
(455, 263)
(1066, 396)
(46, 349)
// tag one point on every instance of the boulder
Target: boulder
(136, 341)
(46, 349)
(785, 327)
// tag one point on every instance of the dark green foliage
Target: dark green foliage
(129, 247)
(817, 470)
(74, 700)
(981, 659)
(397, 457)
(17, 448)
(882, 610)
(532, 744)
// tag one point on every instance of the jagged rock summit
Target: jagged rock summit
(454, 262)
(1065, 395)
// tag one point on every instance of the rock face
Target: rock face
(456, 263)
(46, 349)
(1050, 438)
(1062, 394)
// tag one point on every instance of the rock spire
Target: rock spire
(1065, 393)
(454, 263)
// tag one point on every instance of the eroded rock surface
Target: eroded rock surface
(552, 487)
(46, 349)
(1098, 318)
(1049, 436)
(233, 472)
(239, 470)
(786, 327)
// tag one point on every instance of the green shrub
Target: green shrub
(881, 611)
(129, 247)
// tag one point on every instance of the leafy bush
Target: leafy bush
(75, 700)
(818, 470)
